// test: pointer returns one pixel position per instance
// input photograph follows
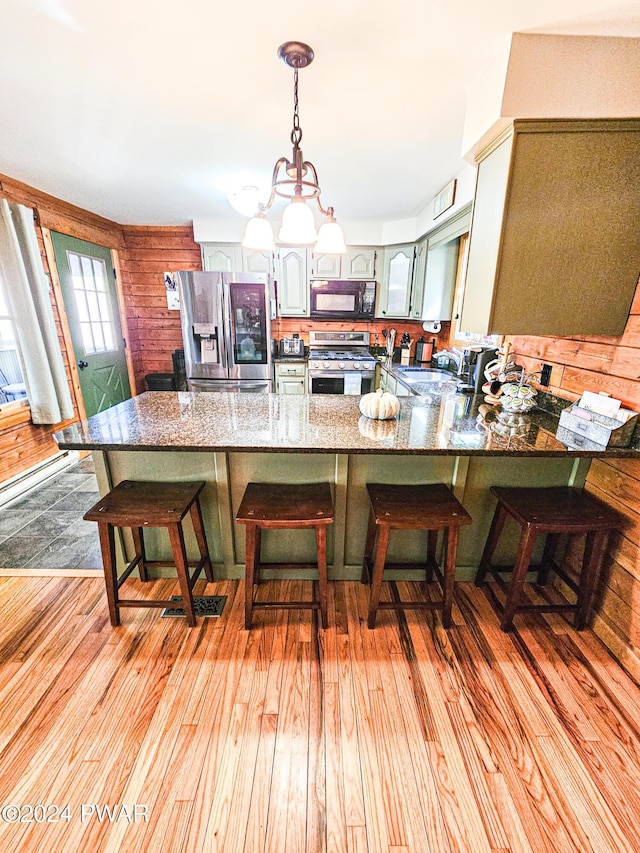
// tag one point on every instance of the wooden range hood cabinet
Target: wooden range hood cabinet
(554, 246)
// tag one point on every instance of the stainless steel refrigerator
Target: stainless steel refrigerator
(226, 330)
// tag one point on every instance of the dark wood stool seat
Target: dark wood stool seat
(149, 504)
(269, 506)
(414, 507)
(553, 511)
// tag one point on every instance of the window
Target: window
(89, 279)
(12, 385)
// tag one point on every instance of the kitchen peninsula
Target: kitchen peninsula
(231, 439)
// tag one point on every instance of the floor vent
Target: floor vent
(204, 605)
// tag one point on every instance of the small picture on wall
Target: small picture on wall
(445, 199)
(171, 287)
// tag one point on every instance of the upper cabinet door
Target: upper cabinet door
(554, 237)
(360, 263)
(417, 289)
(397, 276)
(254, 260)
(293, 283)
(221, 257)
(326, 266)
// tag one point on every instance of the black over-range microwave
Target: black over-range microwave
(342, 300)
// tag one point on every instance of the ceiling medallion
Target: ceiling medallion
(296, 180)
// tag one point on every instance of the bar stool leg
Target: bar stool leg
(180, 558)
(550, 548)
(138, 542)
(252, 559)
(593, 550)
(378, 569)
(201, 538)
(497, 525)
(432, 548)
(368, 548)
(523, 558)
(108, 548)
(451, 544)
(321, 545)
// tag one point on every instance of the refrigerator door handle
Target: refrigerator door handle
(224, 358)
(231, 337)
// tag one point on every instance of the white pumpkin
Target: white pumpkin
(379, 405)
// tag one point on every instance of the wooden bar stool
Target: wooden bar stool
(270, 506)
(141, 504)
(552, 511)
(415, 507)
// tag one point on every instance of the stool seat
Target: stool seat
(141, 504)
(554, 511)
(147, 504)
(559, 509)
(285, 506)
(431, 507)
(277, 505)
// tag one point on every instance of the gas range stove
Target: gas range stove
(340, 351)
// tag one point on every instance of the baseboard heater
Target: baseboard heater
(16, 487)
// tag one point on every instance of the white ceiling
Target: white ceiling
(150, 111)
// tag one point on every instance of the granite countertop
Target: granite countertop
(447, 424)
(294, 358)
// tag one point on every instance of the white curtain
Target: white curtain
(27, 295)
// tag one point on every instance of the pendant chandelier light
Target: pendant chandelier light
(296, 180)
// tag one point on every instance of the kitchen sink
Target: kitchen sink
(413, 375)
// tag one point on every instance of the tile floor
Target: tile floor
(45, 530)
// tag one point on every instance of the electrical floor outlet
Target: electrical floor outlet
(203, 605)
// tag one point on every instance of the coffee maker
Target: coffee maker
(479, 358)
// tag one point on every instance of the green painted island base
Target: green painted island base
(227, 473)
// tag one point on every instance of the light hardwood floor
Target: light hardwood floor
(285, 738)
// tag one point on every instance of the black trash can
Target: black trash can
(179, 370)
(160, 382)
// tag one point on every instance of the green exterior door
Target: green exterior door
(89, 291)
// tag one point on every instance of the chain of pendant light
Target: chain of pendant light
(296, 132)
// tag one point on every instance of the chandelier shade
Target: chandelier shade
(297, 223)
(297, 181)
(259, 234)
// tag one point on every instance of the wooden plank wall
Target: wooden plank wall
(285, 327)
(612, 365)
(149, 252)
(22, 444)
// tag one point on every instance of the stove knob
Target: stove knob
(326, 365)
(356, 365)
(341, 365)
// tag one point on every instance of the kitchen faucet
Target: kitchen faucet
(453, 357)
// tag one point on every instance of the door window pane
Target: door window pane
(89, 280)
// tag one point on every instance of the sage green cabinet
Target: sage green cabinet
(397, 277)
(293, 282)
(326, 266)
(291, 377)
(554, 244)
(359, 262)
(440, 280)
(391, 383)
(254, 260)
(418, 283)
(221, 257)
